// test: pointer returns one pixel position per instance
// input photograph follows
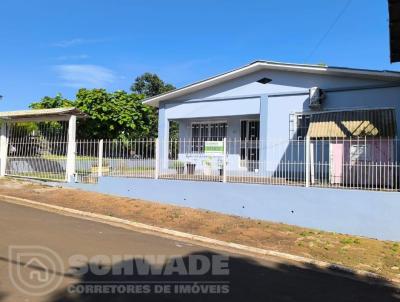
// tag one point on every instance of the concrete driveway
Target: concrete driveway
(32, 240)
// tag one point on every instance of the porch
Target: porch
(355, 149)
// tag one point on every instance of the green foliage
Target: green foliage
(110, 115)
(49, 102)
(25, 129)
(149, 84)
(117, 115)
(173, 131)
(349, 240)
(114, 115)
(177, 164)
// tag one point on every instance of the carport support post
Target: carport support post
(157, 159)
(307, 161)
(100, 163)
(3, 148)
(71, 149)
(163, 136)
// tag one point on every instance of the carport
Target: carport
(67, 115)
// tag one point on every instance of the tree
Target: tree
(149, 84)
(49, 102)
(117, 115)
(114, 115)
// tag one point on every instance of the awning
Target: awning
(357, 123)
(394, 26)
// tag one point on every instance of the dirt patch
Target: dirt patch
(381, 257)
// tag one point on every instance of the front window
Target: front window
(302, 123)
(207, 131)
(360, 152)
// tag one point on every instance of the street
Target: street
(248, 279)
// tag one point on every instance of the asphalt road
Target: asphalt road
(36, 248)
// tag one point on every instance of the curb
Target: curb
(335, 269)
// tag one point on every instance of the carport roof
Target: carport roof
(41, 114)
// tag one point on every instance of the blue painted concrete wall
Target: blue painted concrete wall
(370, 214)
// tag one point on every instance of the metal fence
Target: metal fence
(341, 163)
(37, 158)
(367, 163)
(118, 158)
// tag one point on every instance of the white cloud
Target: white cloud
(85, 76)
(73, 57)
(76, 42)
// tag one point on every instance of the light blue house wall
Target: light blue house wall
(272, 103)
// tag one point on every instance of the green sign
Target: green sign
(214, 148)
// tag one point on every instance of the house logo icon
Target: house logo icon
(40, 274)
(35, 270)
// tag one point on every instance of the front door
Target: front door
(336, 163)
(249, 150)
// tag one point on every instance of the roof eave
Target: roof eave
(259, 65)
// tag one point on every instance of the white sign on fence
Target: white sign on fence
(214, 148)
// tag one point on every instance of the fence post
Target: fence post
(3, 149)
(157, 158)
(312, 160)
(71, 149)
(100, 163)
(307, 161)
(225, 172)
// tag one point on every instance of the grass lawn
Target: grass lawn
(381, 257)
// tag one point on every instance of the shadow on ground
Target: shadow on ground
(247, 280)
(2, 296)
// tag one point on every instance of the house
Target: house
(276, 117)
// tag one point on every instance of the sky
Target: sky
(49, 47)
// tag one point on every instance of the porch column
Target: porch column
(71, 149)
(3, 148)
(263, 132)
(163, 136)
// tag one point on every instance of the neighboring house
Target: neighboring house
(267, 110)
